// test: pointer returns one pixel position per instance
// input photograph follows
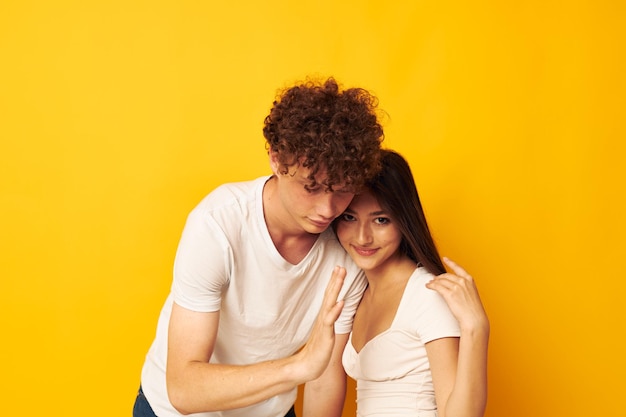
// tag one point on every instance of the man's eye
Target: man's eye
(345, 191)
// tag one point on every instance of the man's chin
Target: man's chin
(317, 227)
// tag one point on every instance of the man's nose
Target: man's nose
(327, 206)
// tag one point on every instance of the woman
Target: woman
(418, 346)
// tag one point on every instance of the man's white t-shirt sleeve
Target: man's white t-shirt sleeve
(202, 264)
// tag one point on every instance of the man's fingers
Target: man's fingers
(334, 286)
(333, 313)
(457, 268)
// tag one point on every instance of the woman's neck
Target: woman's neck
(395, 271)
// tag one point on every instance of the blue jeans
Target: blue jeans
(142, 407)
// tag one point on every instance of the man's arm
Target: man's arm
(195, 385)
(325, 395)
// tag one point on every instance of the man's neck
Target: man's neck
(291, 241)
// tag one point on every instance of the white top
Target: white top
(392, 370)
(227, 261)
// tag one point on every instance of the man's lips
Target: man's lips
(321, 223)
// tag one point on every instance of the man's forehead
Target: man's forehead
(303, 174)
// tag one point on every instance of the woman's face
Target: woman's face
(368, 233)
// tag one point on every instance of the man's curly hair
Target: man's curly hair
(316, 125)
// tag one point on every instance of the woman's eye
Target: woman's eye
(381, 220)
(347, 217)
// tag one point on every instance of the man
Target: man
(251, 314)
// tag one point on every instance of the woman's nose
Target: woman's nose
(364, 236)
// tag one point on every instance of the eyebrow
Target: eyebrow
(373, 213)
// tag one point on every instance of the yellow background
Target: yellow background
(117, 117)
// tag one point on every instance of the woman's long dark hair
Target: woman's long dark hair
(396, 192)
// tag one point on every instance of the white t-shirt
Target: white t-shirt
(227, 261)
(392, 369)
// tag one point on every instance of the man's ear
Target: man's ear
(274, 164)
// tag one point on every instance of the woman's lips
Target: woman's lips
(364, 251)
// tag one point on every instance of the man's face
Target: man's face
(313, 210)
